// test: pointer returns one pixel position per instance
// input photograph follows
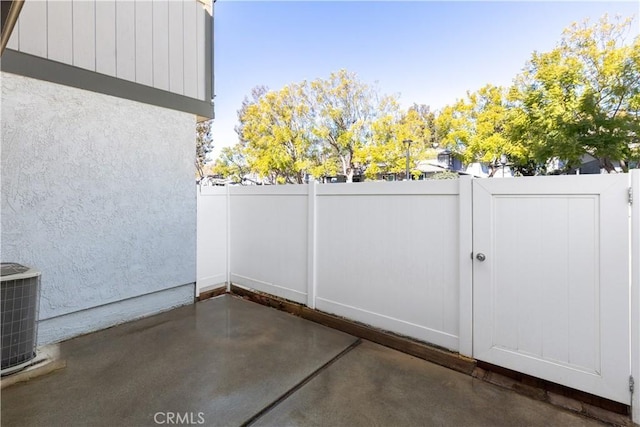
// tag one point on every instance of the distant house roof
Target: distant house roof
(429, 166)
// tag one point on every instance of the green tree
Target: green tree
(344, 111)
(419, 125)
(477, 128)
(256, 93)
(387, 150)
(583, 97)
(275, 128)
(204, 145)
(314, 128)
(232, 163)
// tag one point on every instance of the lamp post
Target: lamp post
(407, 143)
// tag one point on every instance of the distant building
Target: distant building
(589, 165)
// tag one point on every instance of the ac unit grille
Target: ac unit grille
(20, 303)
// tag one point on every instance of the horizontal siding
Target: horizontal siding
(156, 43)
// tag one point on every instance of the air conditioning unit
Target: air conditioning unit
(20, 302)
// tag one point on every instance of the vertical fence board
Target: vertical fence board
(311, 246)
(635, 292)
(387, 255)
(211, 239)
(551, 299)
(269, 240)
(465, 266)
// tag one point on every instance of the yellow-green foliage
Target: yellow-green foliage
(581, 97)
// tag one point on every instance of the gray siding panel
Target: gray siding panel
(14, 40)
(56, 72)
(161, 44)
(209, 76)
(190, 49)
(201, 26)
(106, 37)
(59, 31)
(33, 28)
(84, 34)
(125, 40)
(144, 42)
(176, 48)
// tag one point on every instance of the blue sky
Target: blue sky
(427, 52)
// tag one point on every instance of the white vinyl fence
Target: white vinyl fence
(539, 275)
(211, 242)
(268, 227)
(387, 254)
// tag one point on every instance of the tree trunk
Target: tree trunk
(349, 175)
(624, 166)
(605, 162)
(344, 164)
(199, 169)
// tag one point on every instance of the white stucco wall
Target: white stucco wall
(98, 194)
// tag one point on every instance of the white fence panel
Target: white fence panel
(211, 267)
(551, 279)
(387, 255)
(551, 299)
(635, 292)
(269, 239)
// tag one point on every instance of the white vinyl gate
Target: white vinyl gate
(551, 279)
(554, 297)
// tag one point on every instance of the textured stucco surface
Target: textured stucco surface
(97, 193)
(74, 324)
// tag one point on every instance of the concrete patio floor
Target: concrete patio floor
(229, 362)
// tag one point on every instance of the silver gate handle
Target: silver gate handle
(480, 257)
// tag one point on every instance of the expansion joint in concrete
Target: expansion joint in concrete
(301, 384)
